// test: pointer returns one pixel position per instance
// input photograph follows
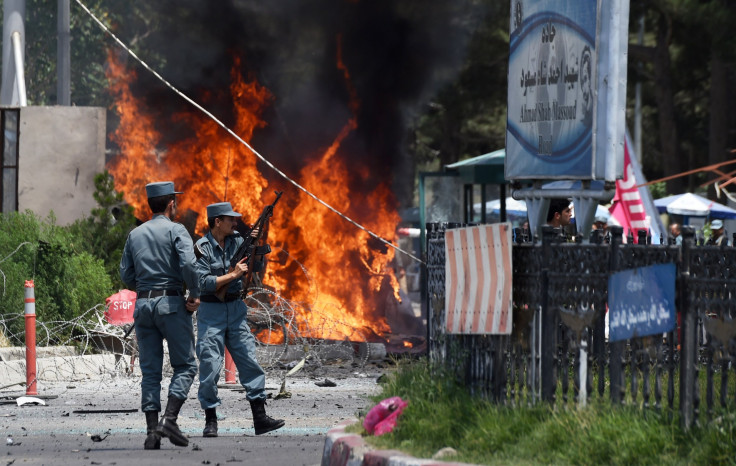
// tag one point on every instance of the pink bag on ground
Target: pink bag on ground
(382, 418)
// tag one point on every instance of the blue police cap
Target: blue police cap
(160, 188)
(716, 224)
(221, 208)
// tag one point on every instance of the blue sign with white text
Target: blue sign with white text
(551, 89)
(641, 302)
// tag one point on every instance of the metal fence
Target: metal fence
(559, 352)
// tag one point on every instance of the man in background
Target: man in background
(717, 237)
(559, 213)
(600, 223)
(676, 233)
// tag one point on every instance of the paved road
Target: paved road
(62, 431)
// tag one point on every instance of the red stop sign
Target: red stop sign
(120, 307)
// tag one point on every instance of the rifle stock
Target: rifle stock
(249, 248)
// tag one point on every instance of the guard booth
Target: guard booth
(480, 172)
(452, 192)
(448, 196)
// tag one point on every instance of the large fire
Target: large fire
(326, 265)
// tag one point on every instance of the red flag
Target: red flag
(628, 208)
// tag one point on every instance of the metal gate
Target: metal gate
(558, 351)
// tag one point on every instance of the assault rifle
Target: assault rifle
(249, 248)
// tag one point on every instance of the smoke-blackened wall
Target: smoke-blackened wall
(396, 53)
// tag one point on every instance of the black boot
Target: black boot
(167, 426)
(153, 438)
(210, 423)
(261, 421)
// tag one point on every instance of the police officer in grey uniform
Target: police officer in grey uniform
(158, 258)
(223, 324)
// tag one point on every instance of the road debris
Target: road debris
(29, 400)
(98, 438)
(326, 383)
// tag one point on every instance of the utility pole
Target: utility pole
(13, 90)
(63, 55)
(637, 104)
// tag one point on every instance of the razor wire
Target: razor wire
(8, 257)
(99, 350)
(89, 347)
(217, 121)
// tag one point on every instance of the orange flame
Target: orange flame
(338, 296)
(204, 166)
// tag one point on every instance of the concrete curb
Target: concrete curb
(56, 369)
(18, 353)
(343, 449)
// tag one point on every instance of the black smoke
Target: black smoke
(398, 54)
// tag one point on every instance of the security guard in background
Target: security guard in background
(158, 258)
(223, 323)
(717, 237)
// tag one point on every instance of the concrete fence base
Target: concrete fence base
(58, 368)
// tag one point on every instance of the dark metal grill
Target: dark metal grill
(560, 293)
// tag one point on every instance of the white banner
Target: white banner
(478, 280)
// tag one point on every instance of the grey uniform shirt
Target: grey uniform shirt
(214, 261)
(159, 255)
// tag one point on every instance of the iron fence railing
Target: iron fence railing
(559, 351)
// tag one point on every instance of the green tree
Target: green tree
(68, 281)
(89, 47)
(686, 64)
(468, 116)
(104, 232)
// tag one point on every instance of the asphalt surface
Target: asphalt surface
(98, 420)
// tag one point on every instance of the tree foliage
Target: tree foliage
(89, 47)
(75, 267)
(468, 116)
(686, 65)
(104, 232)
(68, 281)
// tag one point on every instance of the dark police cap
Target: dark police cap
(160, 188)
(221, 208)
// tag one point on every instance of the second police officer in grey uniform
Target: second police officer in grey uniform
(158, 258)
(223, 324)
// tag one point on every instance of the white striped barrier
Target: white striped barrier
(478, 280)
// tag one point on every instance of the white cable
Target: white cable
(221, 124)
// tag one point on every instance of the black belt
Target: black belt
(158, 293)
(209, 298)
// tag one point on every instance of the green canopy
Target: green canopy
(484, 169)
